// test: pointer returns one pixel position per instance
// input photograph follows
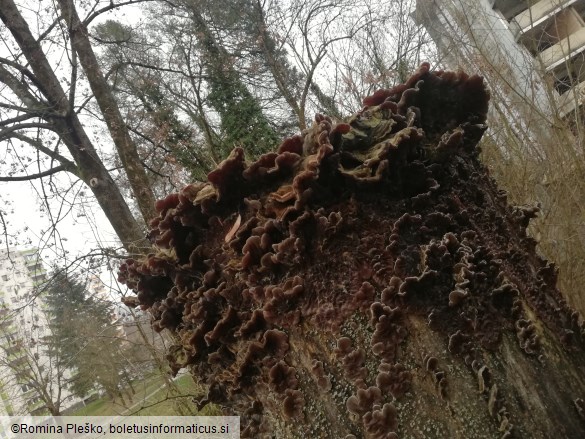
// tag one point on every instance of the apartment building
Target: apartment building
(531, 52)
(23, 327)
(553, 31)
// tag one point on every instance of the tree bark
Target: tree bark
(66, 124)
(243, 122)
(369, 280)
(125, 146)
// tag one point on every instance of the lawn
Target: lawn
(152, 398)
(162, 403)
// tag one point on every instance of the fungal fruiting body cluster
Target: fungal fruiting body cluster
(326, 286)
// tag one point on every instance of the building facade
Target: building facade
(530, 52)
(29, 376)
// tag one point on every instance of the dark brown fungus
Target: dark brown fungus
(416, 286)
(439, 221)
(214, 394)
(293, 403)
(280, 302)
(364, 296)
(527, 336)
(441, 383)
(319, 375)
(354, 365)
(282, 377)
(227, 178)
(389, 95)
(393, 379)
(255, 324)
(523, 214)
(456, 297)
(343, 347)
(580, 407)
(252, 252)
(431, 363)
(363, 401)
(361, 228)
(224, 327)
(377, 310)
(549, 274)
(381, 422)
(391, 290)
(327, 316)
(271, 348)
(251, 420)
(293, 144)
(275, 343)
(400, 266)
(261, 167)
(389, 333)
(503, 297)
(458, 342)
(483, 378)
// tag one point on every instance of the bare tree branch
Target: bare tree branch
(34, 176)
(110, 7)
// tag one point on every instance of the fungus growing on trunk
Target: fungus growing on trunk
(361, 256)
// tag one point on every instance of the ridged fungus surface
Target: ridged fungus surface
(367, 279)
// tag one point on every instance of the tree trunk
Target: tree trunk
(125, 146)
(277, 63)
(65, 123)
(369, 280)
(242, 119)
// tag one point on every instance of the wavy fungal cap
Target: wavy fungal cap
(261, 272)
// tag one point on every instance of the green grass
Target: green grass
(99, 407)
(152, 398)
(161, 403)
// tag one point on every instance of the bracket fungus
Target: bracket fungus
(341, 257)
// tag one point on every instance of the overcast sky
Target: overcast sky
(80, 225)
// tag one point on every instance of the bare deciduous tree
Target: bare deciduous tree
(41, 105)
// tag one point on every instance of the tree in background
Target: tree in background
(170, 145)
(41, 106)
(86, 339)
(224, 67)
(178, 90)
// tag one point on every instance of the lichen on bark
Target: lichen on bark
(367, 279)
